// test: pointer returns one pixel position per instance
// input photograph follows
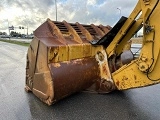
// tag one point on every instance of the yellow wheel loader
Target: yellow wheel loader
(64, 58)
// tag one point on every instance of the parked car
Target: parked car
(29, 36)
(4, 36)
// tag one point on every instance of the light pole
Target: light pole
(8, 27)
(119, 12)
(26, 20)
(56, 8)
(27, 30)
(27, 24)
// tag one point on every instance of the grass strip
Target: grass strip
(22, 43)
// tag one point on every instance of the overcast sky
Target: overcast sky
(34, 12)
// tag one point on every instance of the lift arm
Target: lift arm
(143, 71)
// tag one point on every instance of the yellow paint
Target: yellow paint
(134, 74)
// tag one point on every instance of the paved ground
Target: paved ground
(16, 104)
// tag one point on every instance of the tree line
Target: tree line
(3, 33)
(16, 34)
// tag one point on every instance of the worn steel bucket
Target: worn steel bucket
(61, 61)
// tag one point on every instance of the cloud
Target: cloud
(91, 11)
(34, 12)
(91, 2)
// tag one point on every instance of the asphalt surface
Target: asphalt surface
(16, 104)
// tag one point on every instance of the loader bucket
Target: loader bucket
(61, 61)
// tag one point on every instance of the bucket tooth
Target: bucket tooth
(85, 32)
(73, 32)
(105, 29)
(56, 31)
(98, 31)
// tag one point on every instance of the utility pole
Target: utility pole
(8, 28)
(56, 8)
(119, 12)
(27, 25)
(27, 29)
(26, 21)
